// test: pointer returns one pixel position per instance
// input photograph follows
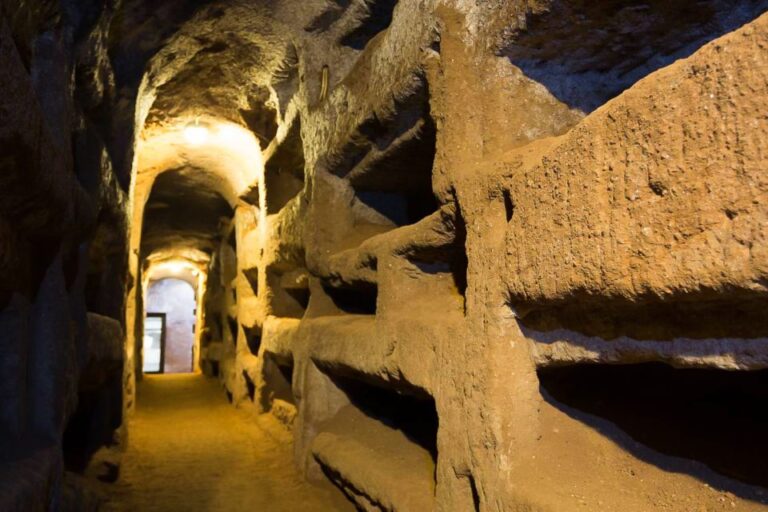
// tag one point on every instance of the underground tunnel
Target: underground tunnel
(383, 255)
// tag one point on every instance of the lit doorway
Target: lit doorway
(169, 327)
(154, 343)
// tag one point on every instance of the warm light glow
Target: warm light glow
(196, 134)
(217, 146)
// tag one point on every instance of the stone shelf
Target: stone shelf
(562, 347)
(376, 464)
(433, 234)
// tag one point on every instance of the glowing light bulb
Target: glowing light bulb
(196, 134)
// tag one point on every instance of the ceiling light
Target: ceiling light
(196, 134)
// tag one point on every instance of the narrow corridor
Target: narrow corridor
(190, 450)
(383, 255)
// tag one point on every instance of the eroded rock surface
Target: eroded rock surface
(466, 255)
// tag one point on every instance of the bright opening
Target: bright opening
(196, 134)
(169, 327)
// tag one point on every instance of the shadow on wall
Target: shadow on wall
(586, 53)
(174, 298)
(682, 420)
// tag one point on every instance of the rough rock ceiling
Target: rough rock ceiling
(183, 212)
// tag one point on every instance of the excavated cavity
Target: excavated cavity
(355, 299)
(713, 417)
(284, 171)
(586, 53)
(277, 374)
(97, 415)
(377, 19)
(252, 276)
(389, 165)
(253, 338)
(450, 259)
(250, 386)
(609, 319)
(413, 415)
(287, 298)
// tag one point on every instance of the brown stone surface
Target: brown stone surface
(449, 255)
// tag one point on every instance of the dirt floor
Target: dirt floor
(191, 450)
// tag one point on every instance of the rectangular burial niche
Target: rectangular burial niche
(284, 171)
(288, 295)
(354, 299)
(252, 276)
(253, 338)
(277, 373)
(414, 414)
(714, 417)
(389, 165)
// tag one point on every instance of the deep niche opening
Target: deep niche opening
(250, 386)
(715, 417)
(451, 259)
(253, 338)
(252, 276)
(389, 164)
(397, 182)
(277, 373)
(415, 415)
(358, 299)
(284, 171)
(287, 299)
(378, 20)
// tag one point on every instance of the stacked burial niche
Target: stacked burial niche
(612, 202)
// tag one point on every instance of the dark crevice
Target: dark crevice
(328, 17)
(416, 417)
(460, 262)
(253, 338)
(360, 299)
(250, 387)
(509, 205)
(610, 318)
(284, 172)
(277, 374)
(252, 276)
(475, 494)
(288, 301)
(379, 18)
(232, 323)
(711, 416)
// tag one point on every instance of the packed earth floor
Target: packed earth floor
(191, 450)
